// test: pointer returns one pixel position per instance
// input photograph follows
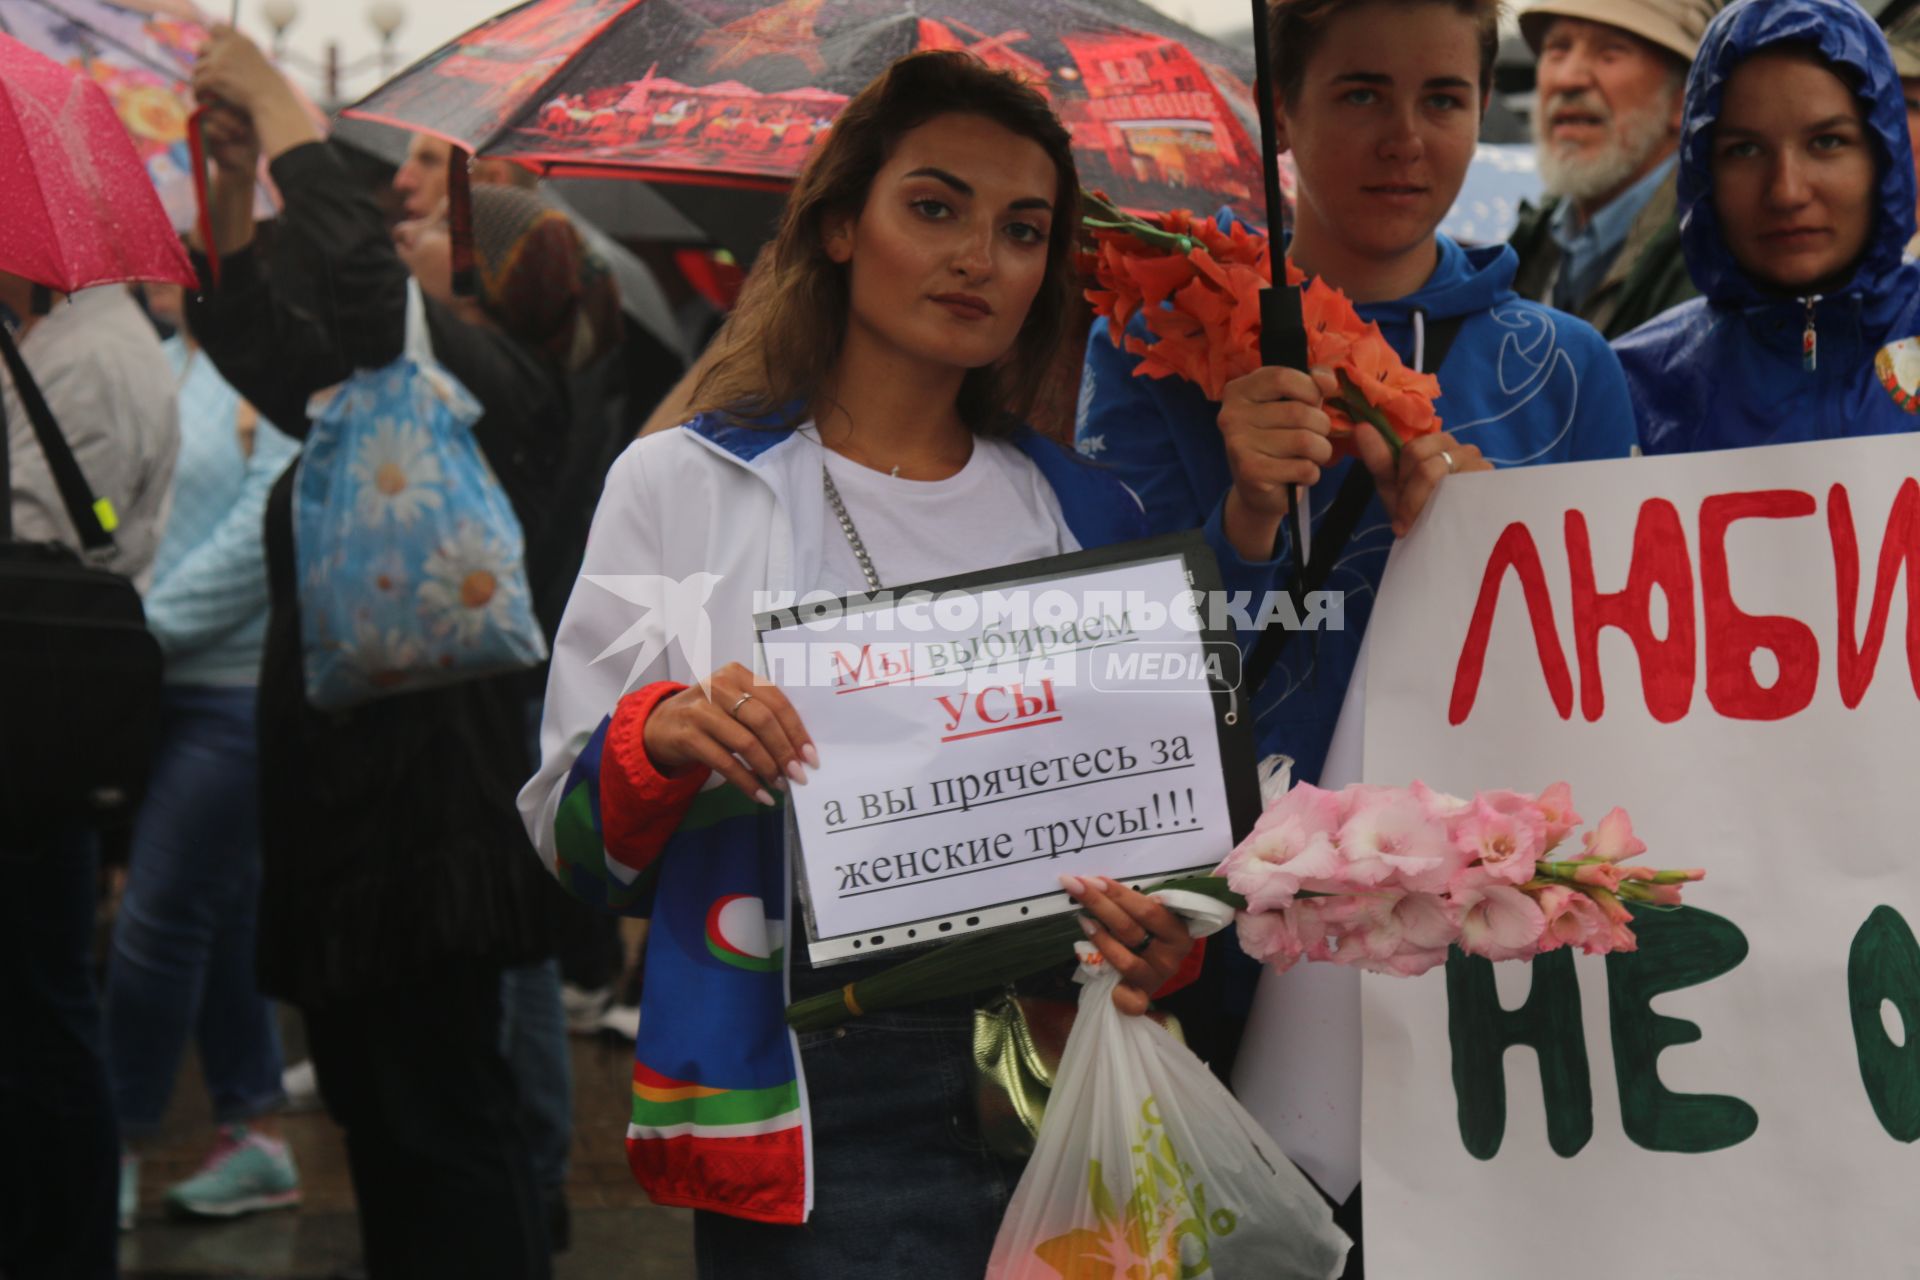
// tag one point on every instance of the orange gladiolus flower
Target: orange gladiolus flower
(1202, 307)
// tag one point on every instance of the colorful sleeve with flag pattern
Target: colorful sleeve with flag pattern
(1188, 972)
(618, 811)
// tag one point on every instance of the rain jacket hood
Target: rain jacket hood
(1848, 39)
(1744, 365)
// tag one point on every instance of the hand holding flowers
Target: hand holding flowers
(1196, 288)
(1141, 940)
(1387, 879)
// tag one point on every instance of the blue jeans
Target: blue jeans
(183, 942)
(903, 1184)
(533, 1037)
(59, 1151)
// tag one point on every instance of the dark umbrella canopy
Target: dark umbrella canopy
(736, 92)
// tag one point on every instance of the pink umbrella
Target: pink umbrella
(76, 206)
(142, 53)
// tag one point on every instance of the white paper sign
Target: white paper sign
(977, 745)
(1741, 1096)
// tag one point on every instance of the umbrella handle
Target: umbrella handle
(203, 213)
(460, 222)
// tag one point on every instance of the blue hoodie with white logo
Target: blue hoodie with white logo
(1524, 382)
(1731, 368)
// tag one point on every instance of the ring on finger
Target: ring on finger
(739, 702)
(1447, 458)
(1140, 947)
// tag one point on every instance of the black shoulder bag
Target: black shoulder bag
(79, 671)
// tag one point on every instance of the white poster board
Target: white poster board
(982, 737)
(1732, 1126)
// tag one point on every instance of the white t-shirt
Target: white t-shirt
(997, 510)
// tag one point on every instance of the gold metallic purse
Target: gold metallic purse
(1017, 1043)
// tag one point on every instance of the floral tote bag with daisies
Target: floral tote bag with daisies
(410, 559)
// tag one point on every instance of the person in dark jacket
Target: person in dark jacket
(1605, 245)
(396, 877)
(1797, 199)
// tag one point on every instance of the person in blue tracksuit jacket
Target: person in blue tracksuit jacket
(1796, 192)
(1382, 126)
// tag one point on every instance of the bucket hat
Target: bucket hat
(1904, 38)
(1673, 25)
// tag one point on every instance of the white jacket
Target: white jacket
(696, 529)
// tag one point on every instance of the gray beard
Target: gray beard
(1566, 173)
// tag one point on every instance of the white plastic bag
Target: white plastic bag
(1146, 1168)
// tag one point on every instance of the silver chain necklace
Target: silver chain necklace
(858, 547)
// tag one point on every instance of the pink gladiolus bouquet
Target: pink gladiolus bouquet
(1388, 878)
(1380, 878)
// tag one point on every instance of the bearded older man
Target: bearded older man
(1610, 80)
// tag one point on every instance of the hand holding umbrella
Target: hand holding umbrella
(1283, 331)
(232, 71)
(225, 136)
(1277, 438)
(246, 107)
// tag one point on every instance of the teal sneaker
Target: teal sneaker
(245, 1174)
(129, 1189)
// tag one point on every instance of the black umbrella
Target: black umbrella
(1283, 330)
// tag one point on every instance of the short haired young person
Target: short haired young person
(1380, 104)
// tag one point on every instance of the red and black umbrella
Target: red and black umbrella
(736, 92)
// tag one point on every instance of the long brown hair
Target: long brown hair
(783, 339)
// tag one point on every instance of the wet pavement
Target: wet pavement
(616, 1231)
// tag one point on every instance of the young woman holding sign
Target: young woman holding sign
(1796, 205)
(859, 427)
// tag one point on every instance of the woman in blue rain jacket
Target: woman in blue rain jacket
(1796, 192)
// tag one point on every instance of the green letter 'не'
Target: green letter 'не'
(1481, 1032)
(1678, 948)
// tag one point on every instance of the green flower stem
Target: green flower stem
(1355, 405)
(1101, 215)
(1106, 209)
(1567, 870)
(1143, 231)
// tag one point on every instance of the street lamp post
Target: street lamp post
(385, 17)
